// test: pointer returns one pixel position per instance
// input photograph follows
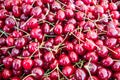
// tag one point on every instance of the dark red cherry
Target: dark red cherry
(117, 76)
(55, 6)
(7, 61)
(17, 64)
(80, 74)
(68, 70)
(112, 6)
(46, 28)
(69, 13)
(10, 22)
(102, 73)
(103, 52)
(6, 73)
(17, 34)
(64, 60)
(68, 28)
(48, 1)
(58, 39)
(72, 21)
(32, 23)
(17, 72)
(58, 29)
(46, 78)
(60, 15)
(54, 64)
(115, 15)
(16, 11)
(111, 42)
(38, 72)
(116, 66)
(20, 42)
(3, 13)
(32, 47)
(79, 15)
(49, 57)
(25, 53)
(27, 63)
(10, 41)
(36, 12)
(35, 32)
(92, 35)
(15, 78)
(26, 8)
(73, 56)
(107, 61)
(54, 75)
(68, 46)
(91, 66)
(2, 41)
(78, 48)
(91, 55)
(38, 62)
(50, 17)
(116, 55)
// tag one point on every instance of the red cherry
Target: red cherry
(17, 64)
(102, 73)
(49, 57)
(10, 22)
(107, 61)
(58, 29)
(60, 15)
(78, 48)
(54, 75)
(73, 56)
(7, 61)
(38, 62)
(6, 73)
(10, 41)
(27, 63)
(68, 28)
(36, 12)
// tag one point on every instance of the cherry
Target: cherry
(49, 57)
(26, 8)
(68, 70)
(28, 1)
(117, 75)
(25, 53)
(112, 6)
(7, 61)
(98, 10)
(46, 28)
(16, 11)
(102, 73)
(91, 55)
(111, 42)
(35, 32)
(6, 73)
(10, 22)
(93, 78)
(92, 67)
(112, 32)
(72, 21)
(2, 41)
(10, 41)
(60, 15)
(55, 6)
(37, 72)
(3, 13)
(15, 78)
(46, 78)
(32, 23)
(68, 28)
(92, 35)
(50, 17)
(80, 74)
(79, 16)
(17, 34)
(115, 15)
(17, 72)
(117, 54)
(64, 60)
(15, 52)
(20, 42)
(107, 61)
(54, 75)
(78, 48)
(17, 64)
(54, 64)
(36, 11)
(58, 29)
(27, 63)
(69, 13)
(73, 56)
(39, 3)
(58, 39)
(8, 4)
(68, 46)
(38, 62)
(116, 66)
(32, 47)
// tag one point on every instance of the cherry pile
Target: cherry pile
(59, 40)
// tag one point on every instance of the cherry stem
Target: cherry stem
(8, 47)
(111, 50)
(1, 65)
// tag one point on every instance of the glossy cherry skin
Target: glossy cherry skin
(54, 64)
(17, 64)
(10, 41)
(115, 15)
(16, 11)
(68, 28)
(112, 6)
(38, 72)
(73, 56)
(26, 8)
(117, 54)
(32, 23)
(68, 70)
(38, 62)
(54, 75)
(64, 60)
(10, 22)
(20, 43)
(112, 32)
(17, 34)
(103, 52)
(36, 12)
(102, 73)
(50, 17)
(60, 15)
(17, 72)
(68, 46)
(3, 13)
(15, 52)
(116, 66)
(89, 45)
(58, 29)
(80, 74)
(25, 53)
(98, 10)
(2, 41)
(7, 61)
(27, 63)
(107, 61)
(78, 48)
(117, 75)
(6, 73)
(32, 47)
(46, 78)
(69, 13)
(58, 39)
(79, 16)
(49, 57)
(111, 42)
(35, 32)
(92, 35)
(91, 55)
(92, 67)
(15, 78)
(55, 6)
